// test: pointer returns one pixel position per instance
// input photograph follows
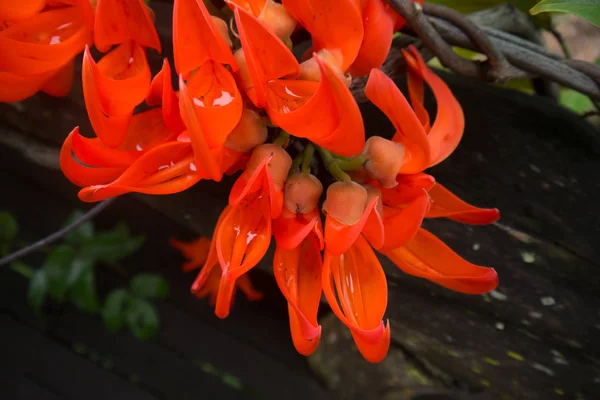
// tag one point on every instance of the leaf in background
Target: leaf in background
(114, 308)
(80, 234)
(586, 9)
(57, 266)
(575, 101)
(470, 6)
(142, 319)
(83, 291)
(8, 230)
(79, 265)
(150, 286)
(112, 245)
(38, 287)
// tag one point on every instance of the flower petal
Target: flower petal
(120, 20)
(401, 225)
(428, 257)
(298, 275)
(322, 20)
(408, 189)
(360, 285)
(339, 237)
(447, 129)
(19, 87)
(196, 39)
(267, 57)
(195, 251)
(61, 82)
(382, 92)
(445, 204)
(161, 93)
(11, 10)
(291, 229)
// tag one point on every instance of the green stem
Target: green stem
(351, 164)
(308, 153)
(332, 165)
(281, 138)
(296, 163)
(22, 269)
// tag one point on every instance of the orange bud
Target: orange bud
(250, 132)
(345, 202)
(384, 159)
(309, 69)
(243, 74)
(279, 21)
(223, 29)
(279, 165)
(302, 192)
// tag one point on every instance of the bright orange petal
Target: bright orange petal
(447, 129)
(384, 93)
(242, 240)
(44, 42)
(145, 131)
(291, 229)
(339, 237)
(378, 23)
(267, 57)
(161, 93)
(323, 20)
(428, 257)
(298, 275)
(195, 251)
(60, 84)
(11, 10)
(360, 285)
(17, 87)
(120, 20)
(408, 189)
(401, 225)
(445, 204)
(80, 174)
(196, 38)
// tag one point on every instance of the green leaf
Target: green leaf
(111, 246)
(83, 291)
(57, 266)
(575, 101)
(80, 234)
(8, 228)
(114, 308)
(586, 9)
(150, 286)
(142, 319)
(38, 287)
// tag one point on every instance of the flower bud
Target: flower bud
(302, 192)
(372, 192)
(223, 29)
(250, 132)
(277, 19)
(345, 202)
(243, 73)
(384, 159)
(279, 165)
(309, 69)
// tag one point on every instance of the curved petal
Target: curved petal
(267, 57)
(217, 101)
(330, 117)
(298, 275)
(378, 23)
(195, 251)
(402, 225)
(252, 6)
(360, 286)
(445, 204)
(374, 229)
(408, 189)
(207, 161)
(61, 82)
(80, 174)
(120, 20)
(290, 229)
(447, 129)
(11, 10)
(161, 93)
(323, 20)
(18, 87)
(111, 129)
(196, 39)
(44, 42)
(382, 92)
(125, 71)
(428, 257)
(211, 260)
(145, 131)
(94, 152)
(242, 240)
(339, 237)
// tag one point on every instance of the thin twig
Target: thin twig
(56, 235)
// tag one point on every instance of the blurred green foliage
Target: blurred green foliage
(586, 9)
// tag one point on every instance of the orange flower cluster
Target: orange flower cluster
(238, 86)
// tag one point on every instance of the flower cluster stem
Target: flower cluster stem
(332, 165)
(282, 138)
(308, 153)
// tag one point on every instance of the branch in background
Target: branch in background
(58, 234)
(508, 56)
(41, 154)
